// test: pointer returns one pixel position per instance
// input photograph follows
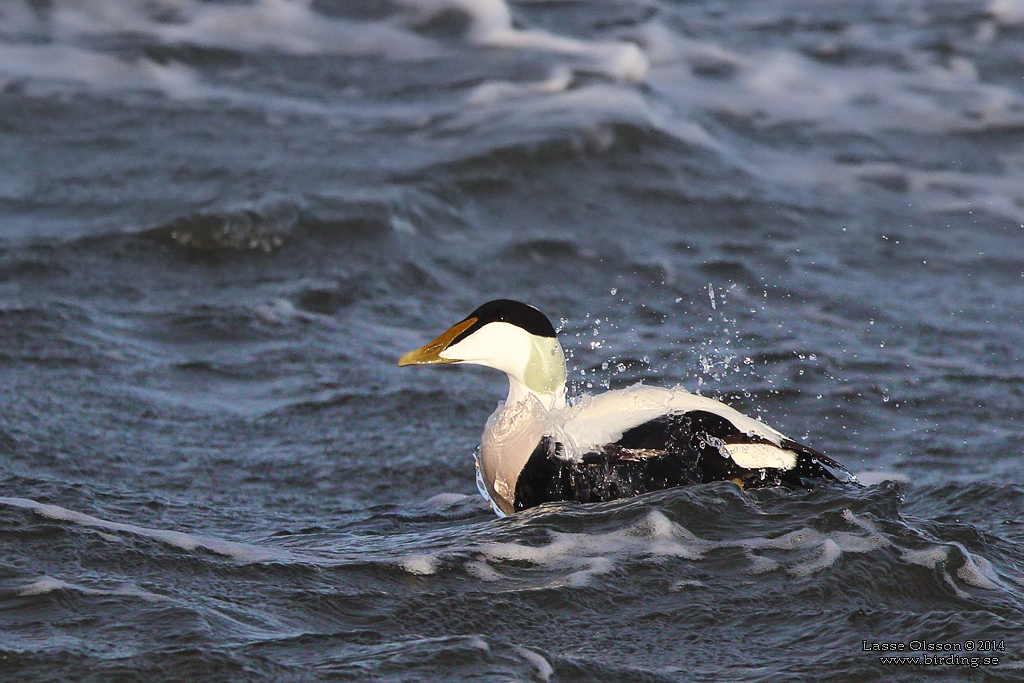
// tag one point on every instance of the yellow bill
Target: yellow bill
(430, 354)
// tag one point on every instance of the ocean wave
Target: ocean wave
(399, 579)
(240, 552)
(269, 225)
(262, 230)
(704, 531)
(841, 108)
(822, 531)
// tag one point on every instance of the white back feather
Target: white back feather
(597, 420)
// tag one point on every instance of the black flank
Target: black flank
(672, 450)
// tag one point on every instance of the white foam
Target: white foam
(977, 571)
(490, 93)
(55, 68)
(856, 543)
(280, 312)
(288, 26)
(542, 668)
(585, 556)
(587, 109)
(484, 571)
(785, 87)
(43, 586)
(240, 552)
(927, 557)
(782, 86)
(760, 564)
(824, 556)
(478, 643)
(420, 564)
(666, 538)
(491, 26)
(579, 558)
(558, 549)
(1007, 12)
(799, 539)
(49, 584)
(293, 27)
(622, 61)
(593, 566)
(658, 525)
(60, 63)
(445, 499)
(813, 551)
(865, 542)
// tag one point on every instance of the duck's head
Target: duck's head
(509, 336)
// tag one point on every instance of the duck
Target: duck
(538, 447)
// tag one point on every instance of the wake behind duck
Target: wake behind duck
(538, 448)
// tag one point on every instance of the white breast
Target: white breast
(510, 436)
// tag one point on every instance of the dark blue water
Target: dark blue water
(222, 223)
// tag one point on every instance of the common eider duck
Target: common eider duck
(537, 448)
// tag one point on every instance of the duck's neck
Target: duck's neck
(519, 392)
(543, 376)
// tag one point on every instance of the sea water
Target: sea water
(221, 223)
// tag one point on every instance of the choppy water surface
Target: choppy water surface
(222, 222)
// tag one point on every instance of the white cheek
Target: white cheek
(754, 456)
(500, 346)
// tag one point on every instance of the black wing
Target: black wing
(678, 449)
